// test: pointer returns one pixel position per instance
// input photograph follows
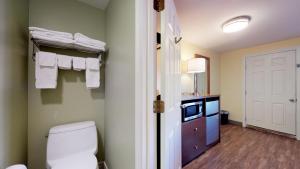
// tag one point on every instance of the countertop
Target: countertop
(192, 97)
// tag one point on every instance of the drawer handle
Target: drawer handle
(196, 147)
(195, 129)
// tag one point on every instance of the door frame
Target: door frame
(145, 53)
(295, 48)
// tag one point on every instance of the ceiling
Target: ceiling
(101, 4)
(272, 20)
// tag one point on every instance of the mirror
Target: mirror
(202, 80)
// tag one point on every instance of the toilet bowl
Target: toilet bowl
(19, 166)
(72, 146)
(77, 161)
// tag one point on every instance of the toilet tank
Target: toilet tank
(71, 139)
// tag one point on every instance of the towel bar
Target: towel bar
(36, 47)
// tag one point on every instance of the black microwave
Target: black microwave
(191, 110)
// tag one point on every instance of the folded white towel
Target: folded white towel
(64, 62)
(90, 45)
(46, 76)
(52, 40)
(51, 32)
(86, 47)
(78, 63)
(92, 73)
(44, 83)
(92, 63)
(78, 37)
(45, 34)
(47, 59)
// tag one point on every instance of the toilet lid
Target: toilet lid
(81, 161)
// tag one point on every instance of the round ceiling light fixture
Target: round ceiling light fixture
(236, 24)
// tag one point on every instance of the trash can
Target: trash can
(224, 117)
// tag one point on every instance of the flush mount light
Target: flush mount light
(236, 24)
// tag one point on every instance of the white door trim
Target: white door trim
(140, 83)
(298, 93)
(244, 123)
(295, 48)
(151, 88)
(145, 42)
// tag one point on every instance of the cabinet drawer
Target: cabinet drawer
(193, 139)
(192, 129)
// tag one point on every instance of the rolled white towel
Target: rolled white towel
(78, 37)
(51, 32)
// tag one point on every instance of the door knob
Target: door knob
(293, 100)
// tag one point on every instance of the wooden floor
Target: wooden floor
(242, 148)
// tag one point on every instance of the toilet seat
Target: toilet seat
(79, 161)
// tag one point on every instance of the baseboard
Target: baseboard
(271, 131)
(102, 165)
(235, 123)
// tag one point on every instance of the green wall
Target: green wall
(71, 101)
(119, 87)
(13, 81)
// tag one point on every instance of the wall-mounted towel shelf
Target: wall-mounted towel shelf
(70, 46)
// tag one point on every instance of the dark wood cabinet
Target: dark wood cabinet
(193, 139)
(200, 134)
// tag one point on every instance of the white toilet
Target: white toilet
(73, 146)
(18, 166)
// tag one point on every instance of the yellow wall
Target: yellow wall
(232, 77)
(188, 51)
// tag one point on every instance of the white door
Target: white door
(271, 91)
(170, 89)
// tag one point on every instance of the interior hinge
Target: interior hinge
(158, 106)
(159, 5)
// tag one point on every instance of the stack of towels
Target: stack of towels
(47, 64)
(52, 37)
(84, 42)
(64, 39)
